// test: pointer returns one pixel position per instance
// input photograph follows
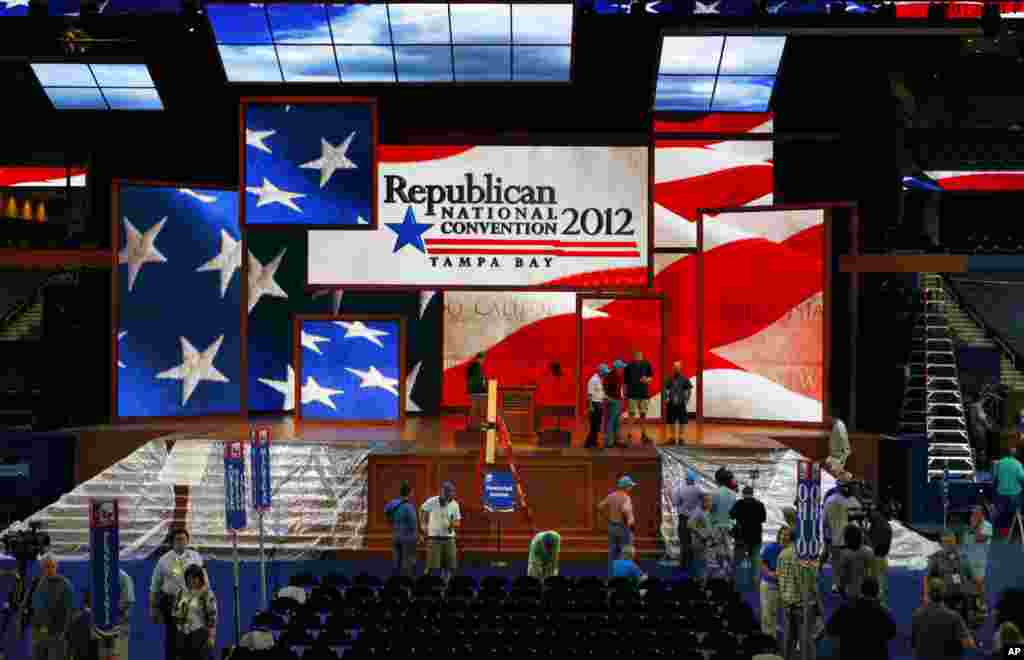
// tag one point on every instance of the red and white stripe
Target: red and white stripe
(532, 248)
(41, 177)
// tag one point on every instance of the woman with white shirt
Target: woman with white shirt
(195, 613)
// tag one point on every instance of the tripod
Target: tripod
(1016, 525)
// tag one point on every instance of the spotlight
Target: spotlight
(887, 11)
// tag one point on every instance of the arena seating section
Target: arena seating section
(582, 618)
(998, 305)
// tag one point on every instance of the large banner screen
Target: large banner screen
(764, 315)
(497, 216)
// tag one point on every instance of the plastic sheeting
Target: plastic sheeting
(776, 487)
(318, 504)
(145, 506)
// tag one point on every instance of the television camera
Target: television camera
(24, 545)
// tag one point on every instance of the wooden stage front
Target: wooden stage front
(563, 483)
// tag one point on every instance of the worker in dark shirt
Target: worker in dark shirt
(881, 540)
(402, 515)
(637, 376)
(937, 632)
(750, 516)
(613, 404)
(862, 626)
(476, 386)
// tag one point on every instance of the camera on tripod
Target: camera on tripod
(26, 544)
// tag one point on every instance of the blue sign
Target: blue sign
(499, 492)
(808, 511)
(234, 485)
(260, 460)
(104, 548)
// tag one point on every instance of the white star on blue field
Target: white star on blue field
(309, 165)
(179, 323)
(365, 372)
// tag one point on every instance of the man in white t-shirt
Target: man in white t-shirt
(441, 516)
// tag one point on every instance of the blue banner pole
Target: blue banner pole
(234, 512)
(104, 553)
(261, 494)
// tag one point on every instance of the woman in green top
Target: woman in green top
(543, 561)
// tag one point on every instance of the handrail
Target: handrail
(990, 332)
(30, 299)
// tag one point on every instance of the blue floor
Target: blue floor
(904, 586)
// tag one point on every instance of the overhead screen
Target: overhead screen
(98, 86)
(179, 340)
(350, 370)
(915, 9)
(694, 174)
(393, 42)
(763, 315)
(492, 216)
(717, 73)
(309, 164)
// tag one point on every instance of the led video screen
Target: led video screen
(350, 369)
(980, 181)
(521, 333)
(691, 174)
(717, 73)
(393, 42)
(14, 8)
(763, 315)
(497, 216)
(281, 294)
(75, 86)
(309, 163)
(35, 176)
(178, 302)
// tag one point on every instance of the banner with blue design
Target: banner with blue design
(808, 511)
(234, 485)
(104, 548)
(499, 492)
(259, 453)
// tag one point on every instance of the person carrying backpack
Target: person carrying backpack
(402, 516)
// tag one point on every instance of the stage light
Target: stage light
(887, 11)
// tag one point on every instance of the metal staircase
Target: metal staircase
(26, 323)
(932, 400)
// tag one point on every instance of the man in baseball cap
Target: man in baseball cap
(613, 396)
(618, 507)
(596, 402)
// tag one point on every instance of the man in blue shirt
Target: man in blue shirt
(403, 524)
(1009, 478)
(627, 568)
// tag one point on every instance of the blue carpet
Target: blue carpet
(904, 589)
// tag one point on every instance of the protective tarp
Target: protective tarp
(318, 497)
(145, 506)
(776, 487)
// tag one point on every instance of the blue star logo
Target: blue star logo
(409, 232)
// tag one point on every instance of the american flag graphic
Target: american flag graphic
(42, 177)
(984, 181)
(763, 329)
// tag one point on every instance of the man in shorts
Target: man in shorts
(637, 376)
(441, 516)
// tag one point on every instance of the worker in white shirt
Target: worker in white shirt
(168, 581)
(595, 400)
(441, 517)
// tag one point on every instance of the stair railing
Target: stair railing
(22, 305)
(989, 332)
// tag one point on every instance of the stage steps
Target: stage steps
(319, 497)
(146, 506)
